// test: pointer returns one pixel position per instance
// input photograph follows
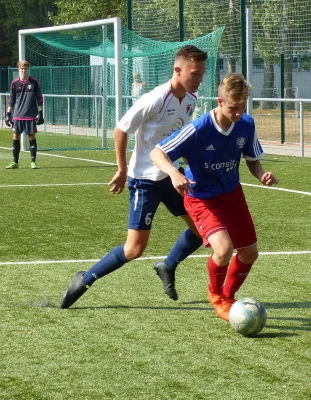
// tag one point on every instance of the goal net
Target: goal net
(91, 73)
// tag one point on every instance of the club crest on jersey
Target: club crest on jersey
(178, 125)
(29, 87)
(240, 142)
(189, 110)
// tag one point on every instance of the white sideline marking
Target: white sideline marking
(78, 158)
(104, 183)
(277, 188)
(141, 258)
(264, 253)
(70, 158)
(108, 163)
(55, 184)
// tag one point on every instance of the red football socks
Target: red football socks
(217, 275)
(237, 273)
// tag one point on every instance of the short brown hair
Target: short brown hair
(23, 64)
(234, 86)
(191, 53)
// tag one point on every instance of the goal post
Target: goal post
(118, 52)
(91, 73)
(117, 47)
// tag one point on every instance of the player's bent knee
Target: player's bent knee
(253, 258)
(223, 256)
(131, 253)
(248, 257)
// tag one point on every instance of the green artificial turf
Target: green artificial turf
(124, 339)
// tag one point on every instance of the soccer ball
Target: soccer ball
(247, 316)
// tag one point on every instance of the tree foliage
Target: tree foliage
(16, 15)
(280, 27)
(84, 10)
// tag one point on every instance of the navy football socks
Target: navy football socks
(186, 244)
(109, 263)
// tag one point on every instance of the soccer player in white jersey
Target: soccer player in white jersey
(213, 145)
(152, 118)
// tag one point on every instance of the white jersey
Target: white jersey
(151, 119)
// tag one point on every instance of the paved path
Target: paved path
(286, 149)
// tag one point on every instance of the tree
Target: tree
(158, 20)
(85, 10)
(280, 27)
(4, 45)
(14, 18)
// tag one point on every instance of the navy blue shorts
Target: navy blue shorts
(29, 126)
(145, 197)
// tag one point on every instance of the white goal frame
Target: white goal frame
(117, 53)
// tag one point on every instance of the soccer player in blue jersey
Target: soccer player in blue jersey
(153, 117)
(27, 101)
(213, 145)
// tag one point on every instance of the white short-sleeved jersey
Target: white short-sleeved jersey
(151, 119)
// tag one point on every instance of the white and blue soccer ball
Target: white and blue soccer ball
(247, 316)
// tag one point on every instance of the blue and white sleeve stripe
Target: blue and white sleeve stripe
(175, 140)
(257, 151)
(257, 148)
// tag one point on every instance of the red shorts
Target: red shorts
(229, 212)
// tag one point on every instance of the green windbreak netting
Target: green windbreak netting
(76, 71)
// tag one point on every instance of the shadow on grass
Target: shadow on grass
(289, 328)
(294, 321)
(125, 307)
(270, 335)
(48, 303)
(276, 306)
(306, 323)
(45, 303)
(300, 304)
(262, 335)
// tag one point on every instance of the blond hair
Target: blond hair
(234, 87)
(23, 64)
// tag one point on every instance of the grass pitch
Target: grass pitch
(124, 339)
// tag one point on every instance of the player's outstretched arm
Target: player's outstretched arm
(266, 178)
(179, 181)
(119, 179)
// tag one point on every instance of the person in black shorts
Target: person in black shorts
(27, 101)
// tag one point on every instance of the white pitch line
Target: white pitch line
(104, 183)
(265, 253)
(78, 158)
(108, 163)
(70, 158)
(55, 184)
(5, 148)
(277, 188)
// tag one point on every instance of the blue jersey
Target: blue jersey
(213, 155)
